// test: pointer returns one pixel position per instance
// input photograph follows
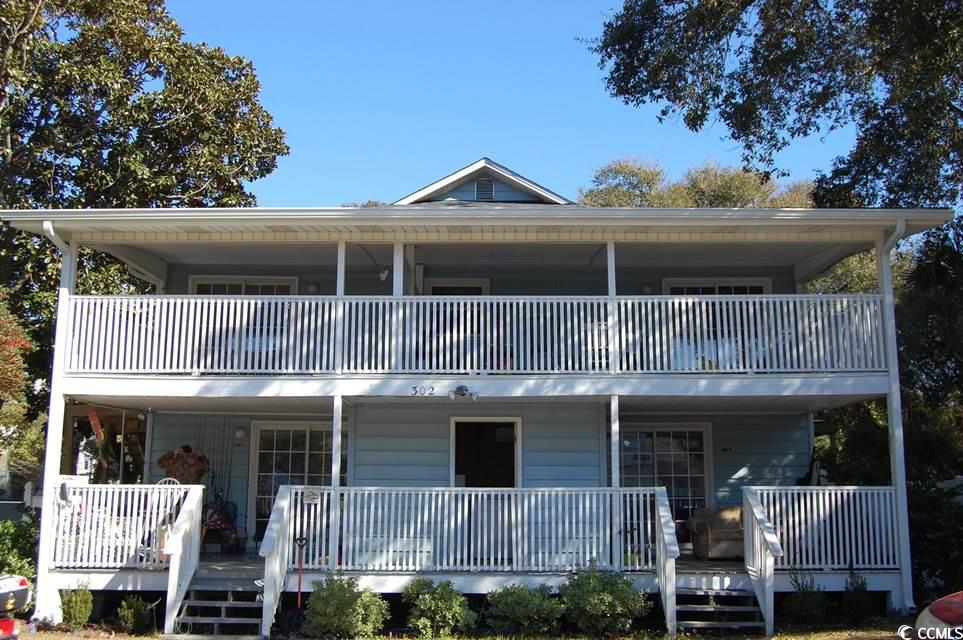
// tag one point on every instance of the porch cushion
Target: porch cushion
(716, 533)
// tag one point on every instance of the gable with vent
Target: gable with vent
(484, 181)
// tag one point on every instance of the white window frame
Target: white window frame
(705, 428)
(515, 420)
(483, 283)
(195, 280)
(765, 283)
(256, 427)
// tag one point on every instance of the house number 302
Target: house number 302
(422, 391)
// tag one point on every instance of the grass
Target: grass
(878, 629)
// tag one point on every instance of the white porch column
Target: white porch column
(339, 308)
(48, 598)
(335, 512)
(615, 448)
(616, 440)
(894, 413)
(339, 277)
(612, 308)
(397, 290)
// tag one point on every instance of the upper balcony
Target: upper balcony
(475, 335)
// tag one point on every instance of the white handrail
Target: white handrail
(279, 335)
(762, 547)
(183, 545)
(667, 550)
(275, 549)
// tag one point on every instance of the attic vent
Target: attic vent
(484, 189)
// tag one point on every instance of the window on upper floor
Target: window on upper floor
(710, 287)
(246, 286)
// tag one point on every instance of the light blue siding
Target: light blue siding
(503, 192)
(213, 435)
(399, 445)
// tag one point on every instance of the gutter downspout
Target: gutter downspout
(51, 233)
(894, 413)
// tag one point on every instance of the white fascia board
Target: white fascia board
(444, 216)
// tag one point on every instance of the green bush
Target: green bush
(136, 616)
(18, 547)
(524, 611)
(339, 609)
(807, 602)
(437, 610)
(602, 602)
(857, 603)
(76, 605)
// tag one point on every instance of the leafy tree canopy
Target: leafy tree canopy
(630, 183)
(772, 71)
(103, 104)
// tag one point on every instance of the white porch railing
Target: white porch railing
(483, 335)
(667, 550)
(183, 546)
(833, 527)
(453, 529)
(762, 552)
(114, 526)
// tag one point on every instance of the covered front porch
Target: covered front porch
(383, 489)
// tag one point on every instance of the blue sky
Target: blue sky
(380, 98)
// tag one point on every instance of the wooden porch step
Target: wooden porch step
(223, 603)
(229, 584)
(715, 624)
(735, 593)
(218, 620)
(716, 607)
(209, 636)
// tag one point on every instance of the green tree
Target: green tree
(20, 436)
(630, 183)
(772, 71)
(104, 104)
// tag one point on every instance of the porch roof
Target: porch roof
(460, 221)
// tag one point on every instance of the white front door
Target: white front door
(288, 452)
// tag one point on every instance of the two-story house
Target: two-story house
(482, 382)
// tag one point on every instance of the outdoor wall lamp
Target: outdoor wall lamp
(461, 391)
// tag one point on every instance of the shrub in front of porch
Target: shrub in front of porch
(602, 602)
(517, 610)
(76, 605)
(437, 609)
(339, 609)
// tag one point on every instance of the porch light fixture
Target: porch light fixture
(462, 391)
(383, 274)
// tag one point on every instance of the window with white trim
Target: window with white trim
(672, 457)
(711, 287)
(241, 286)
